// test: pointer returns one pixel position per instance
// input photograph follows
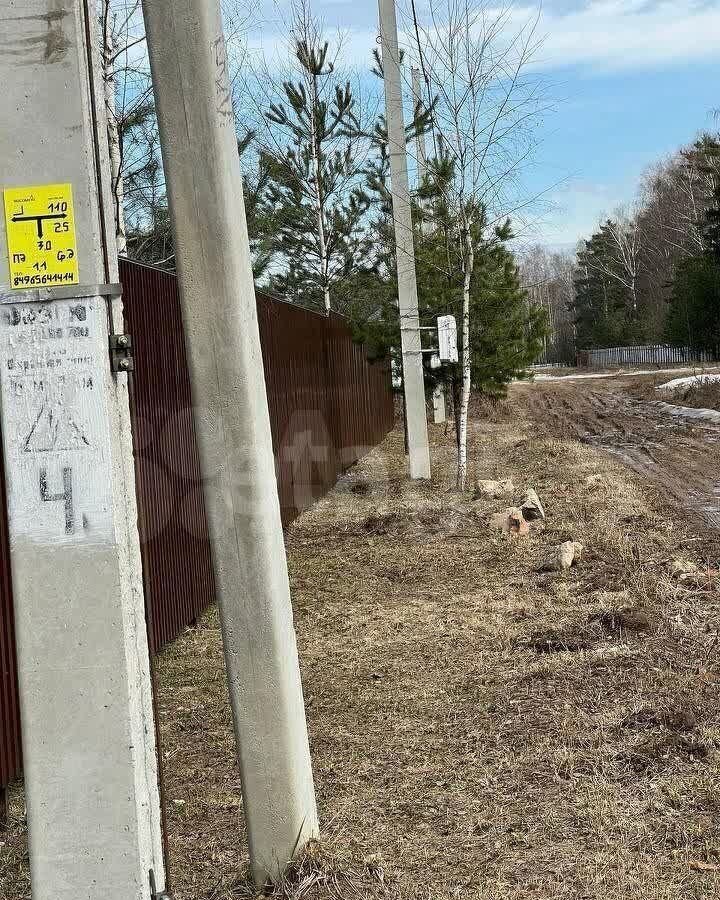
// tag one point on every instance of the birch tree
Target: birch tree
(476, 69)
(127, 91)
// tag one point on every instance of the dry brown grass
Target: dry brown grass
(699, 395)
(454, 756)
(14, 872)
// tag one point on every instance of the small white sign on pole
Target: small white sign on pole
(447, 339)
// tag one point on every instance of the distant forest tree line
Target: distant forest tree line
(649, 274)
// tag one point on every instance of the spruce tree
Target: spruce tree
(694, 311)
(601, 303)
(505, 331)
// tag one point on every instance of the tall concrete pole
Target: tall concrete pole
(413, 382)
(85, 693)
(202, 170)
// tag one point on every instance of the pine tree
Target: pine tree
(260, 214)
(318, 205)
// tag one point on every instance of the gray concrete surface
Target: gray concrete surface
(202, 168)
(88, 732)
(414, 384)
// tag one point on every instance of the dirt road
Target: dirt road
(680, 455)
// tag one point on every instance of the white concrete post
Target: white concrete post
(85, 692)
(413, 381)
(202, 170)
(439, 414)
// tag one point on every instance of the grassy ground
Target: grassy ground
(699, 395)
(478, 731)
(644, 387)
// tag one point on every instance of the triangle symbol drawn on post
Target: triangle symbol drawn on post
(53, 430)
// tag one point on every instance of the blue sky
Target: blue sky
(634, 80)
(610, 129)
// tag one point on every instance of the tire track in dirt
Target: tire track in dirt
(681, 458)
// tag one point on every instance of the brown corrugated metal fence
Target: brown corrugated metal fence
(328, 406)
(177, 571)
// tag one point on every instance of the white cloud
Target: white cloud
(606, 35)
(628, 34)
(573, 212)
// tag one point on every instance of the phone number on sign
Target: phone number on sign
(48, 278)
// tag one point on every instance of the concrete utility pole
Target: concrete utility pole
(199, 147)
(439, 414)
(85, 693)
(413, 382)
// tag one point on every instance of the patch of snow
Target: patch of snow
(619, 374)
(570, 377)
(689, 412)
(690, 382)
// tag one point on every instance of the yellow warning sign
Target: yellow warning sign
(42, 248)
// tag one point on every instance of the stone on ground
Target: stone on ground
(493, 490)
(563, 557)
(532, 508)
(510, 521)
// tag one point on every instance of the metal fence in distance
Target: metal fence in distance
(646, 355)
(328, 406)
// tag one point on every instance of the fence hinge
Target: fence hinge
(121, 353)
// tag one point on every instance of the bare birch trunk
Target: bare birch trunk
(114, 141)
(466, 374)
